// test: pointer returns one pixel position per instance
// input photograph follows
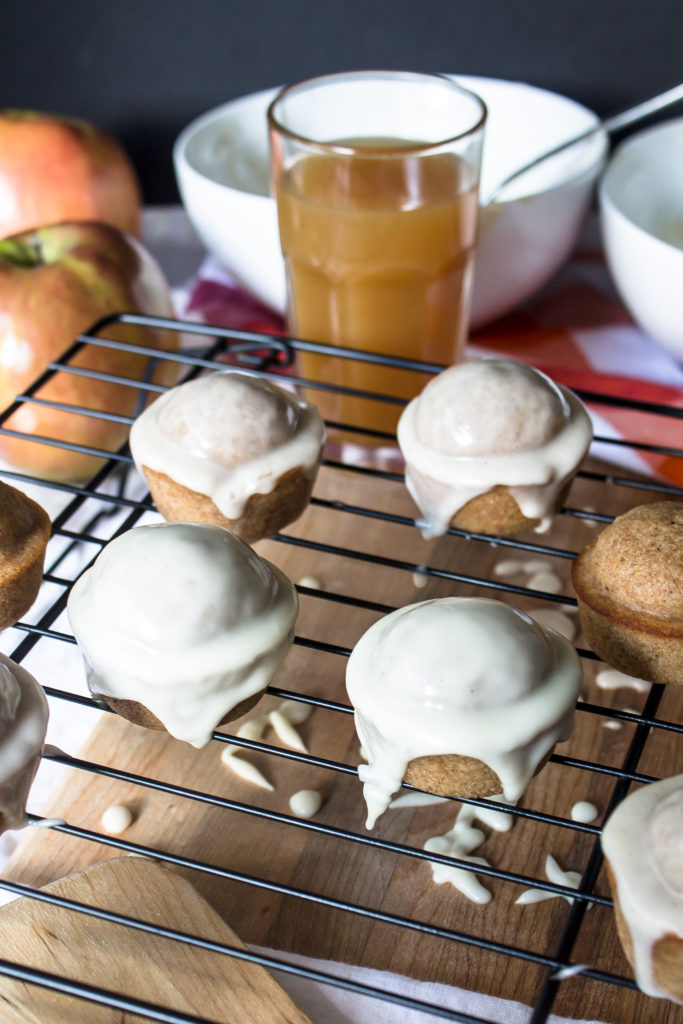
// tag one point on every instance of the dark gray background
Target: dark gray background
(142, 70)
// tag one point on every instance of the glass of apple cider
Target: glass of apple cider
(376, 177)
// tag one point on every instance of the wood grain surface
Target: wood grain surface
(141, 965)
(432, 931)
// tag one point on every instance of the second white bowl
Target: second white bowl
(641, 214)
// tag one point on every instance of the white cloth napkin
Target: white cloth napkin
(327, 1004)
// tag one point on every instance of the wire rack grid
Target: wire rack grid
(353, 500)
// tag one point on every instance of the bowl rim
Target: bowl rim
(468, 82)
(606, 199)
(338, 77)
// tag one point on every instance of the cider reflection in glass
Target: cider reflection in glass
(376, 177)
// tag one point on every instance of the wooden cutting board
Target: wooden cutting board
(124, 961)
(351, 875)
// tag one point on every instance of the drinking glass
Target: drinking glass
(376, 176)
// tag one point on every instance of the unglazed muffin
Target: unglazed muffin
(629, 586)
(491, 446)
(24, 533)
(643, 846)
(459, 697)
(23, 723)
(230, 449)
(182, 626)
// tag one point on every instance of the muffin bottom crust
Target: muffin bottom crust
(633, 648)
(24, 534)
(496, 512)
(453, 775)
(137, 713)
(667, 952)
(627, 582)
(456, 775)
(263, 515)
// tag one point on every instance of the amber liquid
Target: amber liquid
(378, 249)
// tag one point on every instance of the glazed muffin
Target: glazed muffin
(23, 723)
(459, 697)
(230, 449)
(182, 626)
(491, 446)
(629, 586)
(643, 846)
(24, 533)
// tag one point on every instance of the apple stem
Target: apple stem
(20, 252)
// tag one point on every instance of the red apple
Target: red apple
(56, 282)
(57, 168)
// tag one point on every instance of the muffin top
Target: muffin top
(24, 531)
(487, 423)
(229, 417)
(643, 843)
(184, 618)
(228, 435)
(489, 406)
(455, 675)
(637, 561)
(440, 653)
(23, 722)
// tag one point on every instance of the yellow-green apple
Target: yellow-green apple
(56, 168)
(56, 282)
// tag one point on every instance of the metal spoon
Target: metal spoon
(611, 124)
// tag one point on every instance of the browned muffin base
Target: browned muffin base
(497, 513)
(453, 775)
(456, 775)
(137, 713)
(637, 556)
(632, 648)
(667, 952)
(263, 515)
(24, 533)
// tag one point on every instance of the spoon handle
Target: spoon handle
(609, 125)
(644, 109)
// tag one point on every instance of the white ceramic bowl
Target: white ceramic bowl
(222, 168)
(641, 215)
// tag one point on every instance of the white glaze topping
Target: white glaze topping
(460, 842)
(184, 618)
(613, 679)
(513, 566)
(23, 723)
(245, 769)
(548, 582)
(643, 843)
(228, 435)
(665, 832)
(282, 719)
(485, 423)
(555, 874)
(312, 582)
(467, 676)
(305, 803)
(10, 695)
(116, 819)
(416, 799)
(569, 972)
(584, 811)
(554, 619)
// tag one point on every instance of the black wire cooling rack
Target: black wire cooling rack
(115, 500)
